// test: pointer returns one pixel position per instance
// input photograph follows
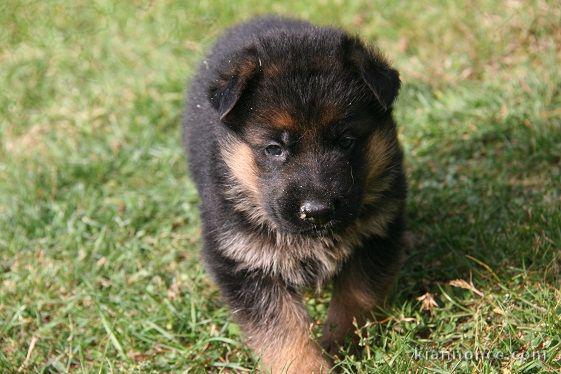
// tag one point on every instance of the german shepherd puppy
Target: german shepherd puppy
(293, 149)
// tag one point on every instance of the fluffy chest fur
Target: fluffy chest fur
(300, 261)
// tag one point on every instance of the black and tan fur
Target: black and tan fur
(294, 151)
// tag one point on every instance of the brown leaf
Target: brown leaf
(498, 311)
(137, 356)
(427, 302)
(460, 283)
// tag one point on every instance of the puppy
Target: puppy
(293, 149)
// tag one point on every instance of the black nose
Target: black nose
(316, 212)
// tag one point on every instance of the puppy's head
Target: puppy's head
(309, 136)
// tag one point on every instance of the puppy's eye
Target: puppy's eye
(274, 150)
(347, 142)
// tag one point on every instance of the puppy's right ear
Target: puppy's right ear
(231, 81)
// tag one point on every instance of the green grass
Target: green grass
(99, 233)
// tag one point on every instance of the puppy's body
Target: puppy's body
(294, 151)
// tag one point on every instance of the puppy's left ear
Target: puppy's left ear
(232, 80)
(380, 78)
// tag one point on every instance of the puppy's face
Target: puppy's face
(312, 135)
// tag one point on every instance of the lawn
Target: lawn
(99, 231)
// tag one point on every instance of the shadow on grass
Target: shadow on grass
(484, 207)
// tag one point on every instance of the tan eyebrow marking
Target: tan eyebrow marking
(282, 119)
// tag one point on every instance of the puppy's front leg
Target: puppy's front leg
(360, 287)
(277, 325)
